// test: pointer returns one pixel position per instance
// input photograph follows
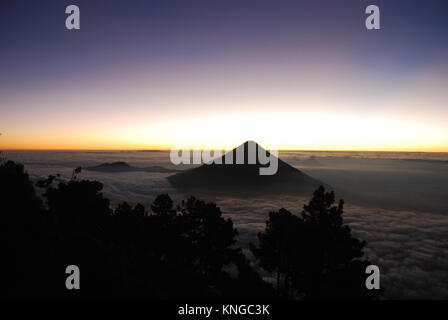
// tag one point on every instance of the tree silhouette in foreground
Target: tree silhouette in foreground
(314, 255)
(187, 251)
(22, 237)
(184, 252)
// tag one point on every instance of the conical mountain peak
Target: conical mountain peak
(238, 172)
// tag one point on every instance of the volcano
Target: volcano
(224, 178)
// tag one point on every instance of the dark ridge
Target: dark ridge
(241, 179)
(121, 166)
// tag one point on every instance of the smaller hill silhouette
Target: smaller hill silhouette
(238, 179)
(121, 166)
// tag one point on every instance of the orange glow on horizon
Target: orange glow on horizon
(157, 147)
(289, 109)
(282, 131)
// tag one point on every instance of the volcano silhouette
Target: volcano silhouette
(242, 179)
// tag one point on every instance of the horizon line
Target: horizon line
(161, 150)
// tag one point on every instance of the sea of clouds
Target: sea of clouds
(410, 248)
(408, 240)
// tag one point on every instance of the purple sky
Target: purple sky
(142, 74)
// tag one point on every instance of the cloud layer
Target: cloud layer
(410, 247)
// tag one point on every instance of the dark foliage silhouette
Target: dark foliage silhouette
(22, 235)
(211, 237)
(127, 252)
(314, 255)
(163, 205)
(277, 247)
(171, 252)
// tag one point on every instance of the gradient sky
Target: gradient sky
(155, 74)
